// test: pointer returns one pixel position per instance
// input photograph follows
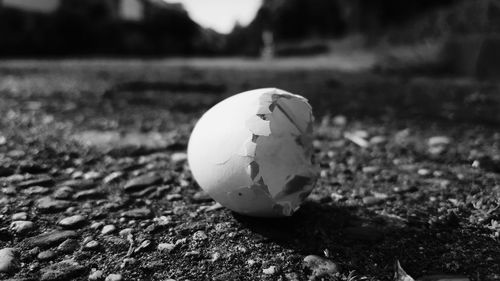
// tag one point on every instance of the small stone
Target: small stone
(142, 182)
(336, 197)
(114, 277)
(91, 245)
(113, 177)
(173, 197)
(201, 196)
(68, 246)
(96, 225)
(216, 206)
(92, 175)
(145, 192)
(108, 229)
(73, 221)
(51, 238)
(22, 216)
(199, 236)
(63, 192)
(178, 158)
(165, 247)
(292, 276)
(128, 261)
(215, 257)
(9, 260)
(180, 241)
(125, 232)
(87, 194)
(64, 270)
(378, 140)
(10, 190)
(96, 275)
(222, 227)
(49, 205)
(438, 140)
(144, 246)
(192, 254)
(370, 169)
(36, 190)
(423, 172)
(405, 189)
(34, 251)
(43, 181)
(46, 255)
(372, 200)
(270, 270)
(142, 213)
(339, 120)
(22, 227)
(319, 266)
(79, 184)
(438, 145)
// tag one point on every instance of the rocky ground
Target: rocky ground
(95, 185)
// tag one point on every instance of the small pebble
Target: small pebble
(178, 158)
(36, 190)
(108, 229)
(22, 216)
(372, 200)
(199, 236)
(47, 239)
(21, 227)
(64, 270)
(125, 232)
(63, 192)
(9, 260)
(91, 245)
(96, 225)
(174, 197)
(73, 221)
(270, 270)
(165, 247)
(319, 266)
(49, 205)
(96, 275)
(68, 246)
(46, 255)
(114, 277)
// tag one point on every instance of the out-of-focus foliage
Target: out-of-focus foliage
(297, 21)
(92, 27)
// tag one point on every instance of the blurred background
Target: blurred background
(98, 99)
(442, 37)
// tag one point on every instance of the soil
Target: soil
(410, 172)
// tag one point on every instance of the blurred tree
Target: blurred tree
(98, 27)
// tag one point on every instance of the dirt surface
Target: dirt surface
(94, 180)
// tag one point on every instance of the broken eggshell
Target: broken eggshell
(252, 152)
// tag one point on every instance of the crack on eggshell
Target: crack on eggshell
(290, 190)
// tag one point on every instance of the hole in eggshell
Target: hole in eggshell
(286, 110)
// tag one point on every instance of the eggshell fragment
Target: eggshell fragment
(252, 152)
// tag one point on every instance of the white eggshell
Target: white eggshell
(252, 152)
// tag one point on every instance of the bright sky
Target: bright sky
(220, 15)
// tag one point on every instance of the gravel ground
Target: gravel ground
(95, 185)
